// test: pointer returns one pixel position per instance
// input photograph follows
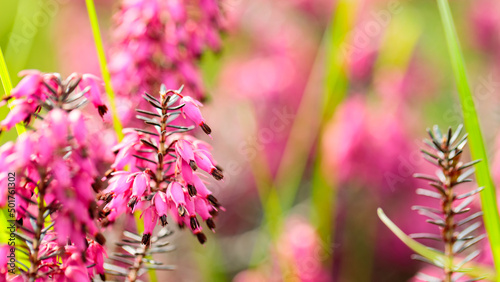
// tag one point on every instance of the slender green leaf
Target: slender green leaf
(7, 86)
(471, 121)
(104, 67)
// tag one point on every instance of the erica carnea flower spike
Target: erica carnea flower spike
(39, 90)
(160, 41)
(457, 232)
(165, 163)
(53, 168)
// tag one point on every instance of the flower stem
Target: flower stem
(40, 220)
(162, 150)
(449, 229)
(132, 275)
(104, 67)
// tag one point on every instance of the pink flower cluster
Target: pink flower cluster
(299, 257)
(56, 165)
(4, 268)
(158, 42)
(39, 90)
(59, 160)
(165, 165)
(62, 263)
(353, 140)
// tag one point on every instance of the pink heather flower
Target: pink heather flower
(176, 194)
(161, 205)
(29, 86)
(21, 112)
(95, 254)
(299, 248)
(162, 181)
(203, 160)
(486, 24)
(56, 164)
(139, 186)
(186, 171)
(141, 183)
(200, 187)
(191, 109)
(185, 150)
(159, 42)
(5, 251)
(150, 218)
(77, 127)
(43, 154)
(94, 93)
(119, 184)
(33, 91)
(65, 263)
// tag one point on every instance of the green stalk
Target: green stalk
(7, 87)
(104, 67)
(323, 192)
(111, 96)
(471, 122)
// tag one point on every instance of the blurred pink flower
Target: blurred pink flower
(485, 18)
(159, 42)
(297, 256)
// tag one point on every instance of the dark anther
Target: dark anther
(211, 224)
(213, 201)
(181, 210)
(201, 238)
(194, 223)
(191, 190)
(217, 174)
(193, 165)
(92, 209)
(99, 238)
(132, 202)
(146, 239)
(163, 219)
(102, 109)
(105, 222)
(104, 212)
(205, 128)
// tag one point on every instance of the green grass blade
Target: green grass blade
(335, 86)
(470, 269)
(7, 86)
(104, 66)
(471, 121)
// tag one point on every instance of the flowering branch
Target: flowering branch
(164, 176)
(446, 153)
(54, 167)
(40, 221)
